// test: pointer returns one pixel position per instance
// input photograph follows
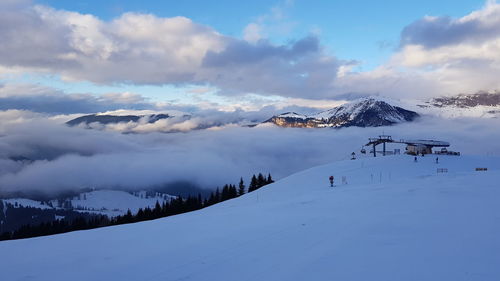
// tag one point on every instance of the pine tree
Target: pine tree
(225, 193)
(241, 187)
(233, 193)
(269, 179)
(261, 181)
(217, 195)
(253, 184)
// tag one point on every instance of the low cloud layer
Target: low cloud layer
(72, 158)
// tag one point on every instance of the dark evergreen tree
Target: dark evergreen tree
(269, 179)
(241, 187)
(253, 184)
(261, 181)
(217, 195)
(225, 193)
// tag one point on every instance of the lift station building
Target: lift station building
(413, 147)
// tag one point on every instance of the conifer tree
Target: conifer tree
(225, 193)
(253, 184)
(241, 187)
(261, 181)
(217, 195)
(269, 179)
(233, 193)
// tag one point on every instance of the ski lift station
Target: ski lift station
(413, 147)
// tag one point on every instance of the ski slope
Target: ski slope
(394, 220)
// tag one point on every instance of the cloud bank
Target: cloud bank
(23, 96)
(72, 158)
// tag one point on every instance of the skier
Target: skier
(437, 160)
(331, 181)
(415, 159)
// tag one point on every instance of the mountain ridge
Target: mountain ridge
(111, 119)
(367, 112)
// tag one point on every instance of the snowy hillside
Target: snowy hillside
(395, 219)
(115, 202)
(479, 105)
(107, 202)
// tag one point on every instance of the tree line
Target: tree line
(175, 206)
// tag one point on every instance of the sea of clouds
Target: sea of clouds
(39, 153)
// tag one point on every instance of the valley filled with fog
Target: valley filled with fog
(41, 153)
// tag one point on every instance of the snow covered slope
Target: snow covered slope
(480, 105)
(394, 220)
(107, 202)
(116, 202)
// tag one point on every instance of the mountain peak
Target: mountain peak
(364, 112)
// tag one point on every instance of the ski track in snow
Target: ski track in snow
(394, 220)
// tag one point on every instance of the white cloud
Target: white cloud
(437, 56)
(32, 97)
(73, 158)
(145, 49)
(252, 32)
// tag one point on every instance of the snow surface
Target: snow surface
(116, 202)
(23, 202)
(396, 219)
(292, 115)
(354, 108)
(106, 202)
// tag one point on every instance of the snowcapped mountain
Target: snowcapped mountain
(390, 219)
(472, 100)
(367, 112)
(481, 104)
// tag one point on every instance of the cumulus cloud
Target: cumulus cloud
(475, 28)
(31, 97)
(437, 56)
(145, 49)
(252, 33)
(136, 48)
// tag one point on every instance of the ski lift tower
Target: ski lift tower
(382, 139)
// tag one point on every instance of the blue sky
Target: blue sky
(252, 53)
(367, 31)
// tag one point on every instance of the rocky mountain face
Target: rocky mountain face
(110, 119)
(465, 101)
(367, 112)
(479, 105)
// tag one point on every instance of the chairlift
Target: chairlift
(363, 150)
